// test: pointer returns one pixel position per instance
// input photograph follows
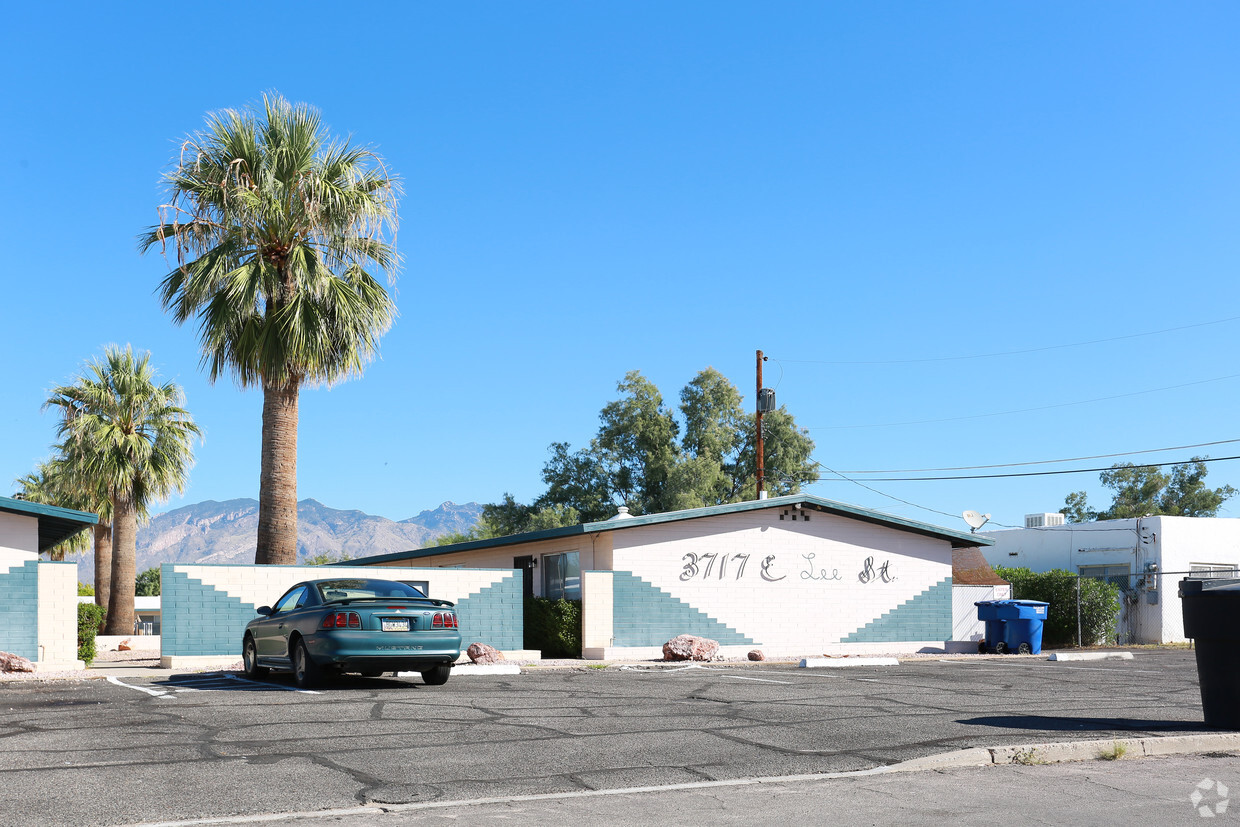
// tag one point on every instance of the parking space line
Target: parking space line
(154, 692)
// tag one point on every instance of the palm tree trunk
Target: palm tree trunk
(103, 563)
(277, 493)
(124, 550)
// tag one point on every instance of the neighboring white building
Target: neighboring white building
(1145, 556)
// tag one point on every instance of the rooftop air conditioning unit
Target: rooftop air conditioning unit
(1043, 520)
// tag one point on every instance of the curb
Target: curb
(821, 663)
(1066, 751)
(1090, 656)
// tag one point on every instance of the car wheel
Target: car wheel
(249, 659)
(306, 673)
(437, 675)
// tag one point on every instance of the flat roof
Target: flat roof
(56, 524)
(958, 539)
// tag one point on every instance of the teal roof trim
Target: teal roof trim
(56, 524)
(958, 539)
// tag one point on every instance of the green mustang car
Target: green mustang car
(324, 627)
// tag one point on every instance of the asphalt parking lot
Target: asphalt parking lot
(137, 750)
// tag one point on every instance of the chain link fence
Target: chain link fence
(1150, 610)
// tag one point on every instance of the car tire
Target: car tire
(306, 673)
(249, 659)
(437, 675)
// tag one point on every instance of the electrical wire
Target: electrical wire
(1044, 461)
(1012, 352)
(1018, 410)
(1046, 473)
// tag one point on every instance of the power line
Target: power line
(1044, 461)
(1019, 410)
(1011, 352)
(1042, 473)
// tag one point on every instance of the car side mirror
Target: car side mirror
(264, 610)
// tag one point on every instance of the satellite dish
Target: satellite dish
(975, 520)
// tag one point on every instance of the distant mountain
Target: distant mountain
(224, 532)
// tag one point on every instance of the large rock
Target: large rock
(481, 653)
(756, 654)
(690, 647)
(14, 663)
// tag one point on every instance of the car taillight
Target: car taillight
(342, 620)
(443, 620)
(437, 621)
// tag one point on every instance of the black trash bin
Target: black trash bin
(1212, 620)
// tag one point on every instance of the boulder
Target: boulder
(690, 647)
(481, 653)
(756, 654)
(14, 663)
(124, 646)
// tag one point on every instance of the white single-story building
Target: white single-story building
(1145, 556)
(791, 575)
(38, 615)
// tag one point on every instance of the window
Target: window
(1116, 575)
(1205, 571)
(423, 586)
(293, 600)
(561, 576)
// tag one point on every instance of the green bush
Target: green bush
(85, 590)
(1099, 604)
(90, 621)
(554, 626)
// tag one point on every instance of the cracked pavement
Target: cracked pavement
(100, 752)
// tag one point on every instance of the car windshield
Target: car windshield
(364, 589)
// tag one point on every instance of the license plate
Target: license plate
(395, 624)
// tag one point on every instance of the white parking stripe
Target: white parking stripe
(155, 692)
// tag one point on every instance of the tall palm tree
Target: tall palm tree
(131, 435)
(276, 228)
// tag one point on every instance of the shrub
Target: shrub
(1099, 604)
(554, 626)
(90, 621)
(85, 590)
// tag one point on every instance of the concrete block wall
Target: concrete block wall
(58, 616)
(206, 607)
(19, 610)
(38, 612)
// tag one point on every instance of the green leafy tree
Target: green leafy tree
(278, 229)
(130, 434)
(1140, 492)
(147, 583)
(325, 559)
(640, 460)
(51, 483)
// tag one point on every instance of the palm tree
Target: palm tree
(276, 227)
(131, 436)
(57, 482)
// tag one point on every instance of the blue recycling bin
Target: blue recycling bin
(1012, 625)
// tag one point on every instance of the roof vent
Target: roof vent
(622, 513)
(1043, 520)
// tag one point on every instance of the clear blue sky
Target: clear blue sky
(593, 188)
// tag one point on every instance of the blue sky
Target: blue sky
(596, 188)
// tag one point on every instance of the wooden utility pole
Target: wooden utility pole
(758, 419)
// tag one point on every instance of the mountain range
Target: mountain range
(224, 532)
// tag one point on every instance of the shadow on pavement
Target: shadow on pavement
(1074, 724)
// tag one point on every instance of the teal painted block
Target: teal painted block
(927, 616)
(19, 611)
(494, 615)
(645, 615)
(200, 620)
